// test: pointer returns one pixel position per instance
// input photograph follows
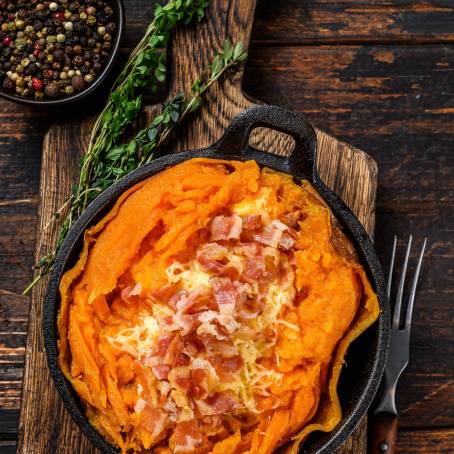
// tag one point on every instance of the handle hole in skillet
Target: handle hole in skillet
(271, 141)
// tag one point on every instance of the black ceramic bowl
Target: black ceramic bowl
(117, 6)
(366, 356)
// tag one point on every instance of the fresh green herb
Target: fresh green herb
(121, 159)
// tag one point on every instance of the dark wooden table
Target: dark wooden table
(378, 74)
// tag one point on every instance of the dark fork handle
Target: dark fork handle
(382, 437)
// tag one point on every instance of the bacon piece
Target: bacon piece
(209, 256)
(163, 344)
(214, 346)
(231, 364)
(192, 345)
(249, 249)
(199, 384)
(127, 292)
(182, 360)
(252, 222)
(163, 294)
(187, 436)
(224, 294)
(177, 297)
(227, 322)
(218, 404)
(161, 371)
(187, 323)
(226, 227)
(291, 218)
(271, 233)
(180, 378)
(153, 420)
(286, 242)
(254, 269)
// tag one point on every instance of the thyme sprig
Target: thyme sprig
(121, 159)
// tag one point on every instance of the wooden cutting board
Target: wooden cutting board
(45, 427)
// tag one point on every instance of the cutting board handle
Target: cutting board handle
(192, 49)
(301, 161)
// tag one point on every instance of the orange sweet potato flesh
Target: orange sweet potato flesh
(160, 219)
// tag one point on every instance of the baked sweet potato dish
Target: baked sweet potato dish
(210, 311)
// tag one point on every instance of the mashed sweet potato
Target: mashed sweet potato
(210, 311)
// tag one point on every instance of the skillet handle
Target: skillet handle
(301, 162)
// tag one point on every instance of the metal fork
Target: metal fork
(384, 421)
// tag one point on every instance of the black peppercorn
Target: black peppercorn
(110, 27)
(78, 60)
(78, 27)
(32, 69)
(78, 83)
(52, 90)
(8, 84)
(91, 42)
(69, 51)
(74, 7)
(78, 49)
(102, 17)
(58, 54)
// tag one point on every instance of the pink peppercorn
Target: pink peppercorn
(60, 16)
(7, 40)
(37, 84)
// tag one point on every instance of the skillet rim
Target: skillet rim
(349, 223)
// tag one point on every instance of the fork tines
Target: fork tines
(400, 290)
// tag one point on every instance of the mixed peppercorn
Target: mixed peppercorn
(50, 49)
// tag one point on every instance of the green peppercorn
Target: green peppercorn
(69, 89)
(19, 24)
(91, 20)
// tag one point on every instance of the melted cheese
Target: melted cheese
(139, 340)
(191, 276)
(258, 205)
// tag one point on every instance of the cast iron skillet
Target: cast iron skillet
(366, 357)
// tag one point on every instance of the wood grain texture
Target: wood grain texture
(47, 427)
(286, 22)
(382, 434)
